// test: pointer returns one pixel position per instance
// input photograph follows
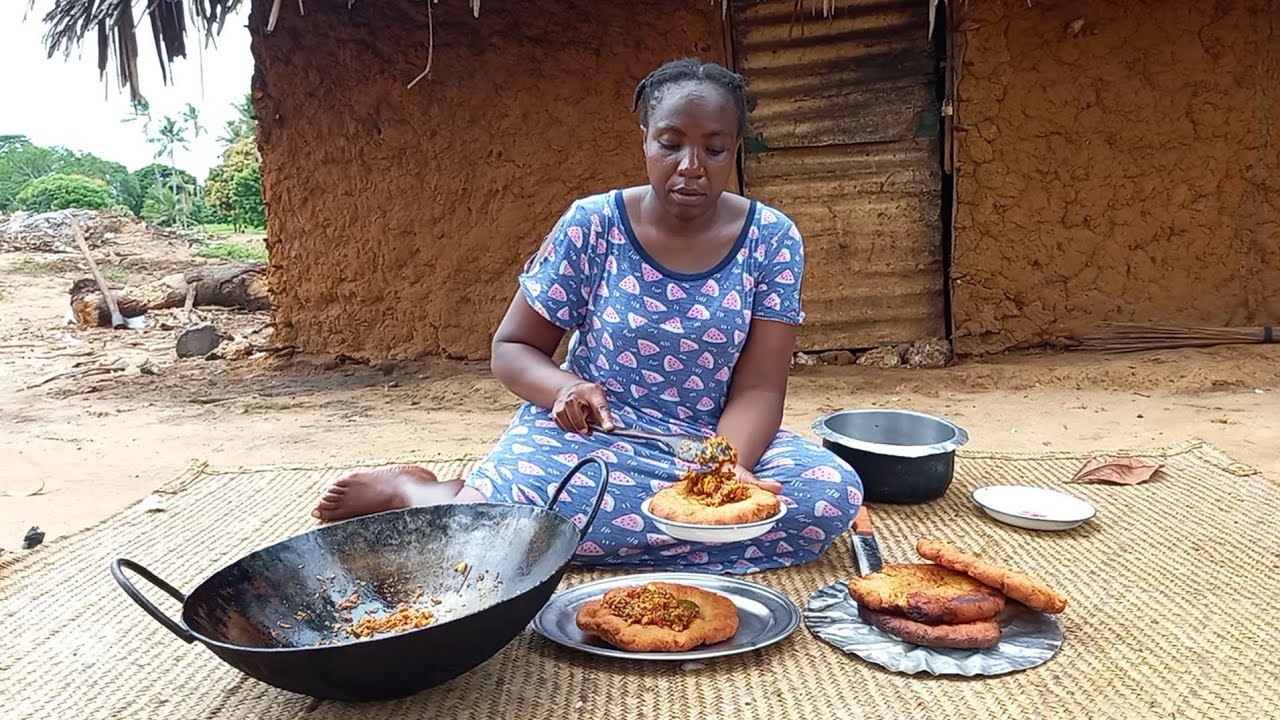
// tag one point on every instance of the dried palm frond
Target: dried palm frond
(1136, 337)
(113, 25)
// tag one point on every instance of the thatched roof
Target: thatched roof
(114, 25)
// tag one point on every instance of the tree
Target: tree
(171, 134)
(61, 192)
(220, 188)
(246, 192)
(169, 205)
(244, 125)
(21, 161)
(124, 187)
(157, 174)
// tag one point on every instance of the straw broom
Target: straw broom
(1137, 337)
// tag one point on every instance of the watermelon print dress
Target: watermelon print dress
(663, 345)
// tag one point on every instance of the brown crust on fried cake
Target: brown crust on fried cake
(1017, 585)
(927, 593)
(717, 621)
(977, 635)
(673, 504)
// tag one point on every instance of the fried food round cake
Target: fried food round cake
(1017, 585)
(926, 593)
(659, 617)
(715, 496)
(744, 504)
(966, 636)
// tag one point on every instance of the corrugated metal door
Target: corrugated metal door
(844, 139)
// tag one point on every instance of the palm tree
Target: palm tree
(172, 135)
(244, 125)
(191, 117)
(167, 140)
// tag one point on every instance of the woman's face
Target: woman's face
(690, 147)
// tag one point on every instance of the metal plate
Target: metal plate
(765, 616)
(1028, 638)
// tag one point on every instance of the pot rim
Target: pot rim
(959, 436)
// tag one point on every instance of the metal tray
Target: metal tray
(765, 616)
(1028, 638)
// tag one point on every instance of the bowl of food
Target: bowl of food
(711, 504)
(1033, 508)
(901, 456)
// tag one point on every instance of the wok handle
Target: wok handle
(595, 507)
(118, 567)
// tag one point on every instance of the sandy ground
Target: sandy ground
(100, 443)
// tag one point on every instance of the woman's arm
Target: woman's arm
(521, 359)
(753, 413)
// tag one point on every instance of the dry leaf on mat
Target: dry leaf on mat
(1118, 471)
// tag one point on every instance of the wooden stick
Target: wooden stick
(191, 300)
(81, 372)
(33, 493)
(117, 320)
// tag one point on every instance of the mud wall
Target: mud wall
(399, 217)
(1114, 161)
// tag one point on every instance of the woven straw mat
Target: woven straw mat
(1172, 613)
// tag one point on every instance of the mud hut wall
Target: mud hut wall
(1127, 171)
(400, 217)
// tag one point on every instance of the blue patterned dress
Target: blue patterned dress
(663, 344)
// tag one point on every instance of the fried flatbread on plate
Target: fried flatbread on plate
(1017, 585)
(659, 617)
(926, 593)
(976, 635)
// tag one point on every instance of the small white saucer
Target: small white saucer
(691, 532)
(1033, 508)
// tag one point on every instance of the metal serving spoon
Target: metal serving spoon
(692, 449)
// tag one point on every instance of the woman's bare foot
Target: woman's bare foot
(393, 487)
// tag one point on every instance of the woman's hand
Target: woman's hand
(581, 404)
(750, 478)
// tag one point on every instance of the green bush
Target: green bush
(228, 250)
(62, 192)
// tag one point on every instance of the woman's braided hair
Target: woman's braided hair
(649, 91)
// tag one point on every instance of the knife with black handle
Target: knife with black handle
(865, 548)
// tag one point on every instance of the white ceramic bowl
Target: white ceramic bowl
(691, 532)
(1033, 508)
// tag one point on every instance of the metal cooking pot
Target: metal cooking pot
(490, 567)
(902, 456)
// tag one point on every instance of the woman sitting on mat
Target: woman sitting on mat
(684, 301)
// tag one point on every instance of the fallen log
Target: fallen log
(234, 285)
(231, 285)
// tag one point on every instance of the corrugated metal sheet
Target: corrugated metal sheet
(873, 256)
(863, 75)
(840, 147)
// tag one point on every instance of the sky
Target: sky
(57, 101)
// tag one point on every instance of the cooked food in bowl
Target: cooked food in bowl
(714, 495)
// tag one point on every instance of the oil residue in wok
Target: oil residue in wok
(363, 615)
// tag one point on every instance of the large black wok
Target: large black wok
(491, 567)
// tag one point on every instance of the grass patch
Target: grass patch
(113, 274)
(228, 229)
(238, 252)
(35, 267)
